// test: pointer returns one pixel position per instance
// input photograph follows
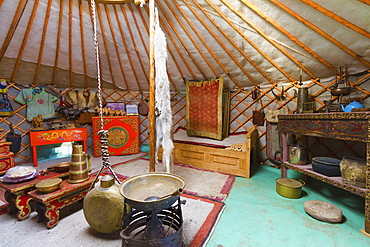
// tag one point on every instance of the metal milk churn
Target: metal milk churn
(302, 98)
(79, 168)
(104, 207)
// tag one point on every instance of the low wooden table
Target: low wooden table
(16, 194)
(49, 204)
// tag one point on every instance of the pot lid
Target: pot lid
(48, 183)
(289, 182)
(327, 161)
(63, 164)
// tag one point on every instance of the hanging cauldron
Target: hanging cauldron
(152, 191)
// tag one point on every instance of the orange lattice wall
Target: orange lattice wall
(241, 107)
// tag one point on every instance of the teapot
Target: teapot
(351, 106)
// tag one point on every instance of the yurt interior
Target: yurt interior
(184, 123)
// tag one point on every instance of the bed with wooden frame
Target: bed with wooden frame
(214, 155)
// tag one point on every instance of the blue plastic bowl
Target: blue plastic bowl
(327, 166)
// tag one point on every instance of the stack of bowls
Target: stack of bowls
(78, 171)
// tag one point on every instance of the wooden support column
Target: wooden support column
(152, 133)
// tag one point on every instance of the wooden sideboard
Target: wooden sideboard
(350, 126)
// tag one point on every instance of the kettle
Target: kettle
(351, 106)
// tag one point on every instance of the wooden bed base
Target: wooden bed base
(218, 159)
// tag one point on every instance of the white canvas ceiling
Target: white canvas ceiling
(255, 42)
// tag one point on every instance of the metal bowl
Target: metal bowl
(152, 191)
(340, 91)
(61, 167)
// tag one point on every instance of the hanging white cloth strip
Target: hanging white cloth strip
(162, 97)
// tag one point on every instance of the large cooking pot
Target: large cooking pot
(152, 191)
(289, 188)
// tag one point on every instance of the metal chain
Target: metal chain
(102, 132)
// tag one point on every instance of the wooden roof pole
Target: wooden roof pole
(205, 43)
(17, 16)
(124, 44)
(272, 42)
(42, 43)
(144, 46)
(291, 37)
(337, 18)
(138, 55)
(70, 43)
(60, 21)
(178, 50)
(152, 133)
(223, 46)
(365, 1)
(322, 33)
(102, 29)
(115, 42)
(251, 43)
(124, 39)
(201, 53)
(82, 32)
(25, 38)
(178, 36)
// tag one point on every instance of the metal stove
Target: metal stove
(153, 228)
(157, 217)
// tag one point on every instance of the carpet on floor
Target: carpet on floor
(200, 215)
(199, 182)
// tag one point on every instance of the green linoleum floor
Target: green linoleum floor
(255, 215)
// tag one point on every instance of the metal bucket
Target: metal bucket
(297, 155)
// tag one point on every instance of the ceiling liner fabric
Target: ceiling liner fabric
(254, 42)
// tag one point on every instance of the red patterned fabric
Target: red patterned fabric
(123, 135)
(204, 108)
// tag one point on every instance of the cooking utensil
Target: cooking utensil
(340, 91)
(152, 191)
(297, 154)
(302, 98)
(327, 166)
(61, 167)
(78, 170)
(289, 188)
(49, 185)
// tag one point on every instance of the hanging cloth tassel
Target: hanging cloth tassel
(162, 98)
